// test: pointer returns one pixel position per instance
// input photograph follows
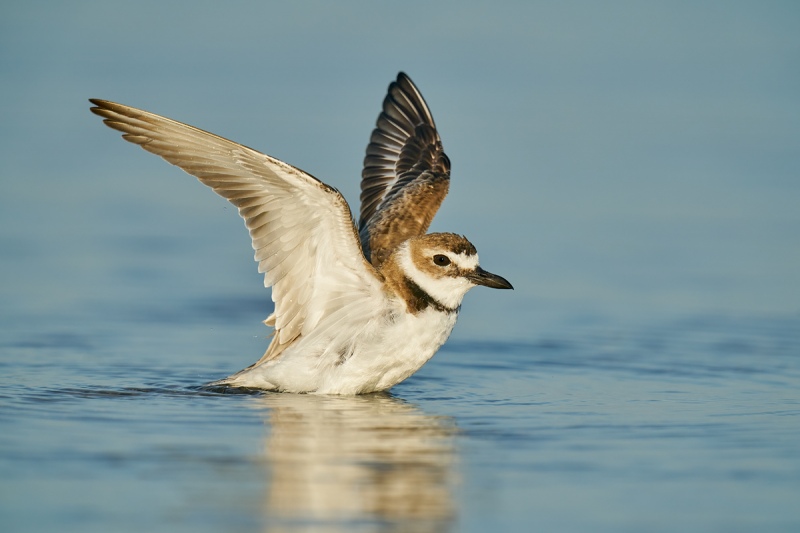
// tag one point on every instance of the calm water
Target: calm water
(632, 168)
(687, 425)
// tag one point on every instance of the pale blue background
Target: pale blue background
(633, 168)
(621, 157)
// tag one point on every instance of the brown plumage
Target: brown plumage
(350, 317)
(406, 173)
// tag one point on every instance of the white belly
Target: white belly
(375, 359)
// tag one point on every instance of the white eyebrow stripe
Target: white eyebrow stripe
(447, 290)
(464, 261)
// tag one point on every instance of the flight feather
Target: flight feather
(302, 230)
(406, 173)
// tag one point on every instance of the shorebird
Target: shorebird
(357, 310)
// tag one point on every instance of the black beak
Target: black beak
(487, 279)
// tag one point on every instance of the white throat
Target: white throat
(446, 290)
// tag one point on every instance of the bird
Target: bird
(357, 309)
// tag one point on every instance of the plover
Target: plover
(356, 310)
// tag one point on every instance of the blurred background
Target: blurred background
(631, 167)
(620, 160)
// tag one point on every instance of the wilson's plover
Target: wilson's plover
(356, 310)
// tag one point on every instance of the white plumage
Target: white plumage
(343, 324)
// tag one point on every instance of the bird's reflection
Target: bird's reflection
(369, 463)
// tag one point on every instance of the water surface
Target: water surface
(689, 425)
(630, 167)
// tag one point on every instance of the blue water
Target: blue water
(688, 425)
(631, 169)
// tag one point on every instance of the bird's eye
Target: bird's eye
(441, 260)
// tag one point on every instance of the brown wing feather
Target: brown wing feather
(406, 173)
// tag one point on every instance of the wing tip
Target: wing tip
(99, 103)
(98, 106)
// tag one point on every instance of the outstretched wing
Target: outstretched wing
(406, 173)
(302, 230)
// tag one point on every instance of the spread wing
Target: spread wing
(406, 173)
(302, 230)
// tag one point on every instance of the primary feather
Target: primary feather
(406, 173)
(302, 230)
(355, 311)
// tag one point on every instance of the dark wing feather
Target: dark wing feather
(406, 173)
